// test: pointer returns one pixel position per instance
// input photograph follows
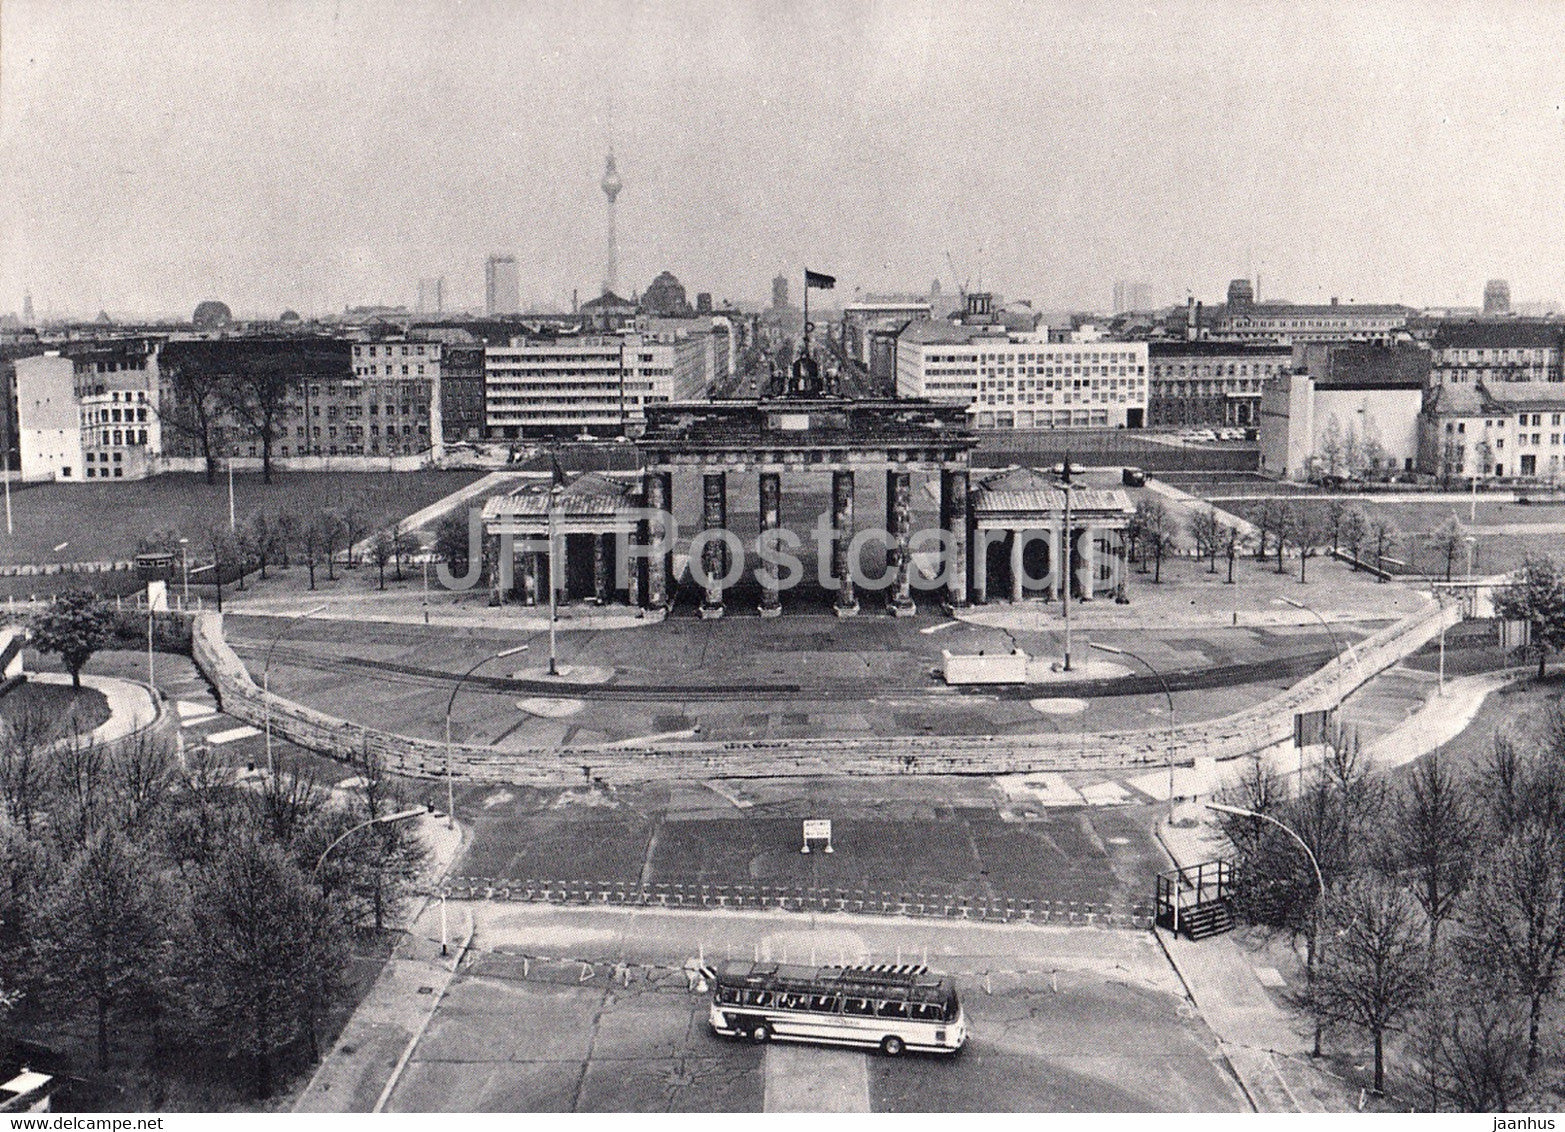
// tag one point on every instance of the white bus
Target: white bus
(890, 1008)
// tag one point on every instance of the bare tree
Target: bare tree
(1433, 841)
(1353, 530)
(291, 799)
(382, 551)
(1308, 530)
(1206, 531)
(1473, 1034)
(1336, 511)
(1517, 918)
(193, 406)
(355, 527)
(1448, 540)
(25, 766)
(261, 397)
(1372, 975)
(1384, 534)
(405, 544)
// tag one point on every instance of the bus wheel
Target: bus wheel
(761, 1033)
(892, 1046)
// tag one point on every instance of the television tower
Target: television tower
(611, 185)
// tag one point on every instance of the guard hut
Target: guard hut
(587, 519)
(1021, 535)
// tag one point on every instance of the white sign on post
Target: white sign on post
(817, 829)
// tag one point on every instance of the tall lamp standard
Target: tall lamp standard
(184, 565)
(266, 678)
(1320, 905)
(555, 495)
(1335, 643)
(1064, 488)
(1172, 722)
(450, 788)
(400, 815)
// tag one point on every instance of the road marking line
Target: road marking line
(188, 710)
(936, 628)
(233, 734)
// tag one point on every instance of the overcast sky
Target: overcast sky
(314, 153)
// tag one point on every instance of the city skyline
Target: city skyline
(337, 155)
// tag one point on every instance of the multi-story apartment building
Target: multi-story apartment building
(1509, 428)
(345, 398)
(89, 413)
(1011, 383)
(572, 384)
(502, 286)
(462, 392)
(1496, 350)
(1211, 383)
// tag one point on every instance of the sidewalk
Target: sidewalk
(369, 1052)
(1266, 1044)
(130, 704)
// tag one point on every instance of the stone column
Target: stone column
(658, 487)
(633, 581)
(899, 525)
(602, 584)
(842, 520)
(771, 519)
(492, 567)
(714, 557)
(1016, 568)
(1089, 561)
(981, 570)
(533, 567)
(954, 521)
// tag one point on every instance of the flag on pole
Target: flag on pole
(817, 279)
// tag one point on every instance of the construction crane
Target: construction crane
(956, 277)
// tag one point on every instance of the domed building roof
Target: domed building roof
(212, 314)
(665, 296)
(289, 316)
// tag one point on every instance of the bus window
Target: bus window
(927, 1012)
(952, 1006)
(857, 1006)
(752, 997)
(891, 1009)
(764, 998)
(727, 994)
(826, 1004)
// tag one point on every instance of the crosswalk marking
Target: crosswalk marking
(233, 734)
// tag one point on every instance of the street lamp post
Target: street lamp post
(184, 566)
(1172, 720)
(1335, 643)
(450, 787)
(266, 679)
(400, 815)
(555, 493)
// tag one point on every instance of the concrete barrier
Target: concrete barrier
(1242, 733)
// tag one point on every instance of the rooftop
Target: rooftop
(1501, 334)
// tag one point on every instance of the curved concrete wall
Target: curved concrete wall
(1242, 733)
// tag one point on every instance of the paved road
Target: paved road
(1072, 1020)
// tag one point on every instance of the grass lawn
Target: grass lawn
(1505, 532)
(102, 522)
(87, 708)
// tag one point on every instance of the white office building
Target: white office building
(1012, 383)
(569, 385)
